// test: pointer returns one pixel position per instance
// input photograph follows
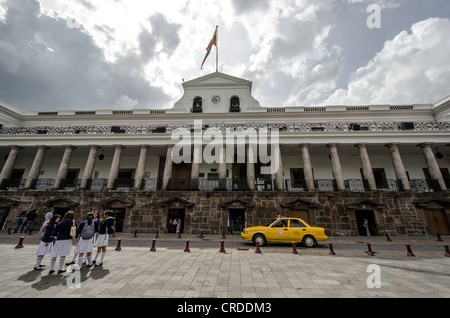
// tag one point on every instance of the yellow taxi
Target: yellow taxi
(287, 230)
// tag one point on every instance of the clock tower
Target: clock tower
(216, 93)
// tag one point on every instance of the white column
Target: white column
(223, 168)
(167, 168)
(279, 177)
(399, 168)
(114, 171)
(432, 165)
(307, 167)
(89, 168)
(366, 166)
(140, 170)
(64, 166)
(9, 164)
(195, 167)
(250, 168)
(336, 167)
(36, 167)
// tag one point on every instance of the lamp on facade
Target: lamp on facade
(101, 156)
(438, 154)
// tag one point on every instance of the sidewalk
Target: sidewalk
(239, 273)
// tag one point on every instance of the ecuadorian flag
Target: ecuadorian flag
(210, 45)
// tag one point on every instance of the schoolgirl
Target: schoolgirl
(86, 233)
(45, 247)
(77, 248)
(105, 228)
(63, 242)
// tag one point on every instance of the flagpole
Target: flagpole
(217, 48)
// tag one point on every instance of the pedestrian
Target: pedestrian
(31, 219)
(104, 230)
(46, 245)
(20, 219)
(178, 225)
(85, 233)
(63, 243)
(96, 221)
(48, 216)
(174, 226)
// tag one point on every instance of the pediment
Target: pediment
(216, 79)
(364, 204)
(433, 204)
(6, 202)
(237, 204)
(61, 202)
(116, 202)
(177, 202)
(299, 203)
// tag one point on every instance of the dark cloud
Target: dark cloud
(249, 6)
(47, 65)
(163, 32)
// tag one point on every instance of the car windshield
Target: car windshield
(270, 222)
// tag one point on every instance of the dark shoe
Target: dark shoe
(61, 271)
(41, 265)
(70, 263)
(38, 268)
(51, 271)
(99, 264)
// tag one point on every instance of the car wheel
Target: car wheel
(260, 238)
(309, 241)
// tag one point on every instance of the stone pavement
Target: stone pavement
(169, 272)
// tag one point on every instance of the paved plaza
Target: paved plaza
(205, 272)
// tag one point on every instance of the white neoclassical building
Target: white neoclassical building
(336, 165)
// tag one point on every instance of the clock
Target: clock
(216, 99)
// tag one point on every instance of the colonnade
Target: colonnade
(366, 166)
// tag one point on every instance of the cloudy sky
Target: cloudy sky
(117, 54)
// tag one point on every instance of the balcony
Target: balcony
(203, 184)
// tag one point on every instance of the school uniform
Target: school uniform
(85, 245)
(63, 239)
(103, 236)
(47, 239)
(104, 229)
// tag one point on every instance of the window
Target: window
(197, 105)
(380, 178)
(72, 177)
(213, 176)
(298, 178)
(117, 130)
(296, 223)
(281, 223)
(406, 126)
(235, 105)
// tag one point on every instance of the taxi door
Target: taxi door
(297, 230)
(279, 231)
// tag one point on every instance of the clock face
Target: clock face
(215, 99)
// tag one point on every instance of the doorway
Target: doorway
(301, 214)
(365, 221)
(3, 216)
(119, 218)
(181, 177)
(175, 218)
(61, 211)
(437, 221)
(237, 220)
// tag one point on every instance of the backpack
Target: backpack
(88, 231)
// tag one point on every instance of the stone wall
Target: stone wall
(399, 213)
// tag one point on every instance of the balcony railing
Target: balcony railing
(204, 184)
(288, 127)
